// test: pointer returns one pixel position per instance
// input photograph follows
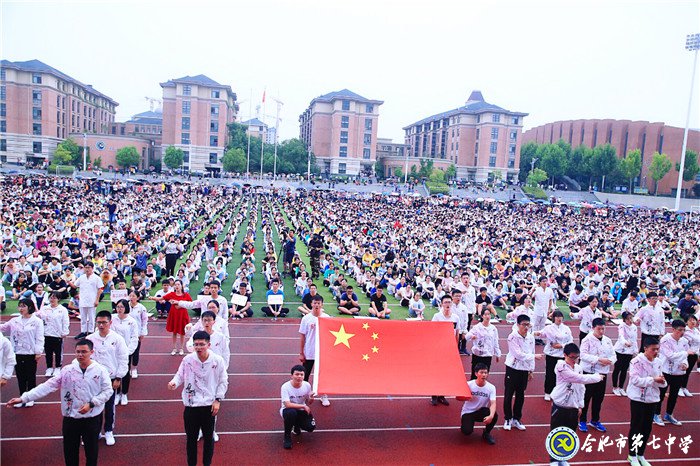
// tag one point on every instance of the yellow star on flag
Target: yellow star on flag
(365, 326)
(341, 336)
(375, 336)
(365, 357)
(375, 349)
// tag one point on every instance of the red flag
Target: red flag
(381, 357)
(264, 90)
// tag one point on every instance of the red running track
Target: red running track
(353, 430)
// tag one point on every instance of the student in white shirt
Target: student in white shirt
(91, 287)
(446, 315)
(26, 332)
(485, 345)
(692, 334)
(674, 351)
(7, 360)
(650, 318)
(481, 407)
(56, 328)
(625, 350)
(140, 315)
(125, 325)
(556, 335)
(297, 397)
(597, 357)
(307, 340)
(85, 387)
(203, 374)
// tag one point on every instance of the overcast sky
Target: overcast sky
(555, 60)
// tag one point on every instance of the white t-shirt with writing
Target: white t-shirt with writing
(308, 327)
(295, 395)
(481, 397)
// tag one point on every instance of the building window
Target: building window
(344, 121)
(3, 75)
(492, 161)
(346, 105)
(370, 108)
(342, 168)
(343, 137)
(185, 139)
(514, 135)
(214, 126)
(366, 153)
(36, 113)
(511, 149)
(186, 123)
(215, 110)
(3, 145)
(3, 126)
(367, 139)
(493, 148)
(213, 159)
(214, 141)
(215, 94)
(515, 120)
(36, 129)
(3, 109)
(494, 133)
(496, 117)
(36, 78)
(36, 147)
(343, 151)
(368, 124)
(186, 156)
(3, 92)
(185, 107)
(186, 89)
(478, 118)
(122, 130)
(511, 163)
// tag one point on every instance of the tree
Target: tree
(76, 153)
(234, 160)
(173, 157)
(426, 168)
(451, 172)
(552, 159)
(128, 157)
(437, 176)
(398, 173)
(62, 156)
(536, 177)
(691, 168)
(604, 162)
(378, 170)
(579, 166)
(527, 153)
(660, 165)
(631, 166)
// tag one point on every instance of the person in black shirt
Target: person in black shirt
(687, 306)
(378, 305)
(518, 299)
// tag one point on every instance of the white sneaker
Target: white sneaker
(658, 421)
(134, 373)
(616, 391)
(325, 401)
(182, 353)
(554, 463)
(29, 404)
(216, 437)
(681, 393)
(124, 400)
(109, 438)
(633, 460)
(518, 425)
(622, 392)
(506, 425)
(199, 436)
(643, 461)
(547, 397)
(49, 372)
(117, 399)
(687, 393)
(173, 352)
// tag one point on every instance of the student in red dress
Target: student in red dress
(177, 317)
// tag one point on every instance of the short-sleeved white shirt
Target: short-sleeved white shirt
(89, 286)
(481, 397)
(295, 395)
(308, 326)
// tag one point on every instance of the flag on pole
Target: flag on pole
(263, 99)
(380, 357)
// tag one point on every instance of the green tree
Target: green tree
(604, 162)
(173, 157)
(97, 163)
(128, 157)
(527, 153)
(536, 177)
(62, 156)
(426, 168)
(234, 160)
(552, 159)
(378, 170)
(76, 153)
(451, 172)
(579, 166)
(658, 168)
(631, 166)
(691, 168)
(437, 176)
(565, 146)
(398, 173)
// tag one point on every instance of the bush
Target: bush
(437, 188)
(536, 192)
(60, 169)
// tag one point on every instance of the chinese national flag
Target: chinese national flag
(381, 357)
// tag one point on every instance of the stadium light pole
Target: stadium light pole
(692, 44)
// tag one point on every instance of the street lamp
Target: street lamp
(84, 151)
(692, 43)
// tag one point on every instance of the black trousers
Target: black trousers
(619, 374)
(297, 418)
(134, 359)
(516, 384)
(480, 359)
(641, 416)
(110, 412)
(550, 378)
(673, 384)
(282, 310)
(692, 360)
(468, 420)
(196, 419)
(170, 262)
(308, 367)
(53, 347)
(126, 380)
(595, 393)
(581, 336)
(87, 429)
(26, 372)
(563, 417)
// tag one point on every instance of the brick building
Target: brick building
(259, 129)
(341, 128)
(479, 138)
(105, 147)
(391, 155)
(624, 135)
(196, 110)
(40, 106)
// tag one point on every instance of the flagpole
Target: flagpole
(250, 117)
(277, 127)
(262, 142)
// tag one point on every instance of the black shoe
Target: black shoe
(443, 401)
(297, 430)
(539, 342)
(433, 400)
(288, 443)
(80, 335)
(488, 438)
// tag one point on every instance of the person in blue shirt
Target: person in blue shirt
(275, 310)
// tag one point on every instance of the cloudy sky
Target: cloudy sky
(552, 59)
